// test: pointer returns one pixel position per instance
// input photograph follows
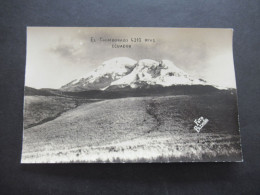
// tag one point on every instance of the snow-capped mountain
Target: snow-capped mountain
(127, 73)
(149, 72)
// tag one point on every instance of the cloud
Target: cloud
(65, 51)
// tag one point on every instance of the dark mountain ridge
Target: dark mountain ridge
(129, 92)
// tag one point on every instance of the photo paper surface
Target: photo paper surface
(115, 95)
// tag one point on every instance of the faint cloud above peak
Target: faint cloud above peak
(65, 51)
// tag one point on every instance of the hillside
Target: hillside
(146, 129)
(41, 109)
(32, 91)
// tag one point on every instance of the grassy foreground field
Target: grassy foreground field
(139, 129)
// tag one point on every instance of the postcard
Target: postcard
(130, 95)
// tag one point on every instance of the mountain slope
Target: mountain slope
(106, 73)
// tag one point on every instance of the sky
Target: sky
(58, 55)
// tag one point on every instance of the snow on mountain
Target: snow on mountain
(150, 72)
(101, 77)
(124, 72)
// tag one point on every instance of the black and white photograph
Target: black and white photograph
(130, 95)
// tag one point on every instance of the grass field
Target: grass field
(136, 129)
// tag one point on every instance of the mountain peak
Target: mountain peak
(149, 72)
(116, 66)
(148, 62)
